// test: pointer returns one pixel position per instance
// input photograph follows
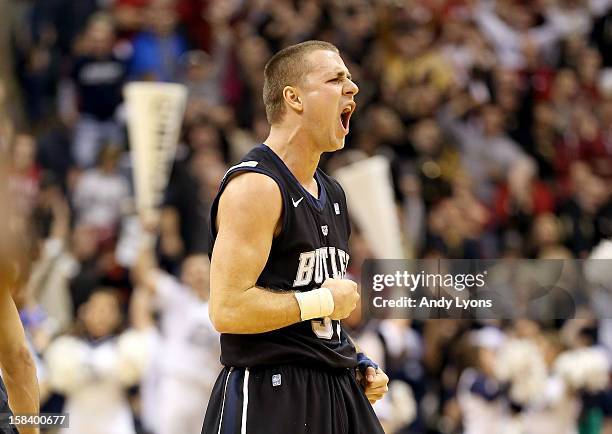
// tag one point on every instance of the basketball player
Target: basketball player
(280, 232)
(16, 364)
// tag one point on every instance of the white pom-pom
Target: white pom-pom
(597, 365)
(520, 363)
(67, 360)
(565, 369)
(513, 358)
(584, 369)
(134, 354)
(512, 426)
(404, 405)
(528, 390)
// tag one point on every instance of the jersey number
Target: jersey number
(323, 328)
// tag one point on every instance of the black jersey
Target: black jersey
(312, 246)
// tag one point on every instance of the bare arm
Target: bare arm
(249, 211)
(249, 215)
(16, 364)
(145, 268)
(171, 243)
(144, 274)
(53, 247)
(141, 312)
(18, 370)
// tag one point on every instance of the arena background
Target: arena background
(495, 116)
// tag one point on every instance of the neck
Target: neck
(298, 151)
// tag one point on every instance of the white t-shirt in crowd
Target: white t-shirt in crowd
(189, 346)
(96, 397)
(99, 198)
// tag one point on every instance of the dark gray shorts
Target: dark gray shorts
(4, 409)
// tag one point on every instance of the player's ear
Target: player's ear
(292, 97)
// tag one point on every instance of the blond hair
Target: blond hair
(287, 68)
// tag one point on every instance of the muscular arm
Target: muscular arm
(249, 212)
(18, 370)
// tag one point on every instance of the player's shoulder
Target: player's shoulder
(252, 185)
(250, 193)
(253, 175)
(251, 201)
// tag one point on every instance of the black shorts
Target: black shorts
(289, 400)
(5, 411)
(8, 429)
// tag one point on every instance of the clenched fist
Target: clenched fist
(346, 296)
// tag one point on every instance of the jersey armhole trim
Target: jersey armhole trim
(227, 179)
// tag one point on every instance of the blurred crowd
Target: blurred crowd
(496, 117)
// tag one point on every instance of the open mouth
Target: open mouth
(345, 117)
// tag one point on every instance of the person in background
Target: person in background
(480, 395)
(24, 173)
(188, 352)
(157, 50)
(48, 284)
(91, 95)
(94, 367)
(101, 194)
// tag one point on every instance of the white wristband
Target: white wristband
(317, 303)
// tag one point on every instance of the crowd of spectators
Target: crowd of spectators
(496, 117)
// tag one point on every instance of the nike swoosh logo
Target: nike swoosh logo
(296, 203)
